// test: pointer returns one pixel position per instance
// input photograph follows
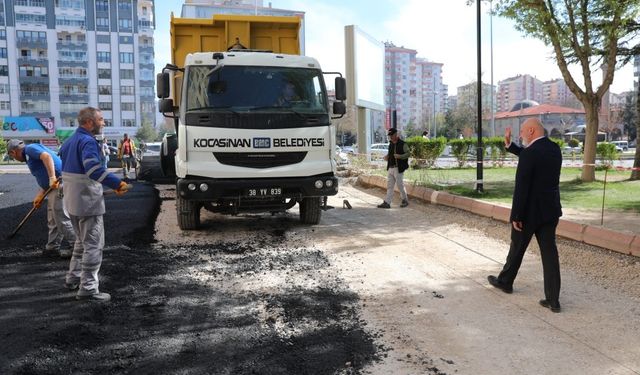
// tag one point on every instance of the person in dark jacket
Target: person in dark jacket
(397, 162)
(535, 209)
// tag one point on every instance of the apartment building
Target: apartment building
(413, 88)
(556, 92)
(58, 56)
(516, 89)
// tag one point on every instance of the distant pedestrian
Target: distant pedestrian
(535, 210)
(46, 167)
(425, 134)
(105, 151)
(127, 154)
(84, 176)
(397, 162)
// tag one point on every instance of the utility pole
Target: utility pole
(479, 149)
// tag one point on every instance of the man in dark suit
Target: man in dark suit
(535, 209)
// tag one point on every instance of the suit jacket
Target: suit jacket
(536, 197)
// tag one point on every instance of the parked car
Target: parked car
(379, 150)
(571, 150)
(341, 157)
(621, 145)
(353, 149)
(148, 167)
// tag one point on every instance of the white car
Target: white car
(341, 157)
(379, 150)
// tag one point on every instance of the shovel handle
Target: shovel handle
(33, 209)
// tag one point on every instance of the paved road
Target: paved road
(399, 291)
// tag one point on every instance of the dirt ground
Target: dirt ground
(368, 291)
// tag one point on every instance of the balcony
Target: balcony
(31, 42)
(72, 46)
(33, 79)
(35, 95)
(33, 61)
(74, 97)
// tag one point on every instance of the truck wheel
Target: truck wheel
(310, 212)
(188, 214)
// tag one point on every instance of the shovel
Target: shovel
(33, 209)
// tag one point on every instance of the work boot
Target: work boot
(384, 205)
(98, 297)
(404, 203)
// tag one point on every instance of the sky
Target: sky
(442, 31)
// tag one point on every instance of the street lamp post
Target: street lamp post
(479, 149)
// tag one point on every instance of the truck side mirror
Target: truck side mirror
(165, 105)
(339, 108)
(341, 88)
(162, 85)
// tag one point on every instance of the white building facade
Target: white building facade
(57, 57)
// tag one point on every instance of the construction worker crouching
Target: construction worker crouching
(84, 174)
(46, 167)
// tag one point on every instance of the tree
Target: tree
(146, 133)
(3, 148)
(629, 117)
(586, 33)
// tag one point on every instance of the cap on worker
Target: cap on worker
(392, 131)
(14, 144)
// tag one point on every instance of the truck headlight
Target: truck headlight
(319, 184)
(191, 187)
(328, 183)
(204, 187)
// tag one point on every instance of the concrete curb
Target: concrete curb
(621, 242)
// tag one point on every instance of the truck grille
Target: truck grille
(259, 159)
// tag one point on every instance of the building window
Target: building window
(146, 74)
(77, 21)
(128, 123)
(3, 34)
(104, 73)
(4, 71)
(4, 88)
(127, 90)
(105, 106)
(30, 3)
(31, 18)
(39, 106)
(146, 91)
(104, 90)
(104, 56)
(126, 39)
(124, 23)
(72, 72)
(124, 5)
(128, 106)
(33, 71)
(126, 57)
(72, 4)
(102, 22)
(31, 36)
(102, 5)
(127, 74)
(3, 53)
(103, 39)
(5, 105)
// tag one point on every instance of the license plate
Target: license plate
(264, 192)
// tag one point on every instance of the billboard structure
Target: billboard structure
(26, 127)
(365, 79)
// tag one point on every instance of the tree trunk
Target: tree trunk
(635, 173)
(590, 139)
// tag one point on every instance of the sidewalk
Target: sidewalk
(620, 232)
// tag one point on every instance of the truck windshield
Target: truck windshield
(249, 88)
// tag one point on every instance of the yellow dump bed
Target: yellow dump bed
(222, 32)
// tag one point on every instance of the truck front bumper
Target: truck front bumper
(203, 189)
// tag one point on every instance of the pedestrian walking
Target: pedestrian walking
(397, 162)
(84, 176)
(46, 167)
(535, 209)
(127, 154)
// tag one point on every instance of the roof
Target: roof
(541, 109)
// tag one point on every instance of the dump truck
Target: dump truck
(252, 119)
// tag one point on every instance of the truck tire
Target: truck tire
(310, 211)
(188, 213)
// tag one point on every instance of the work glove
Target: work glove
(122, 188)
(54, 183)
(37, 201)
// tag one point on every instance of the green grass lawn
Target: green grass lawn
(621, 194)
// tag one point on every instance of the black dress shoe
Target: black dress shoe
(555, 307)
(496, 283)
